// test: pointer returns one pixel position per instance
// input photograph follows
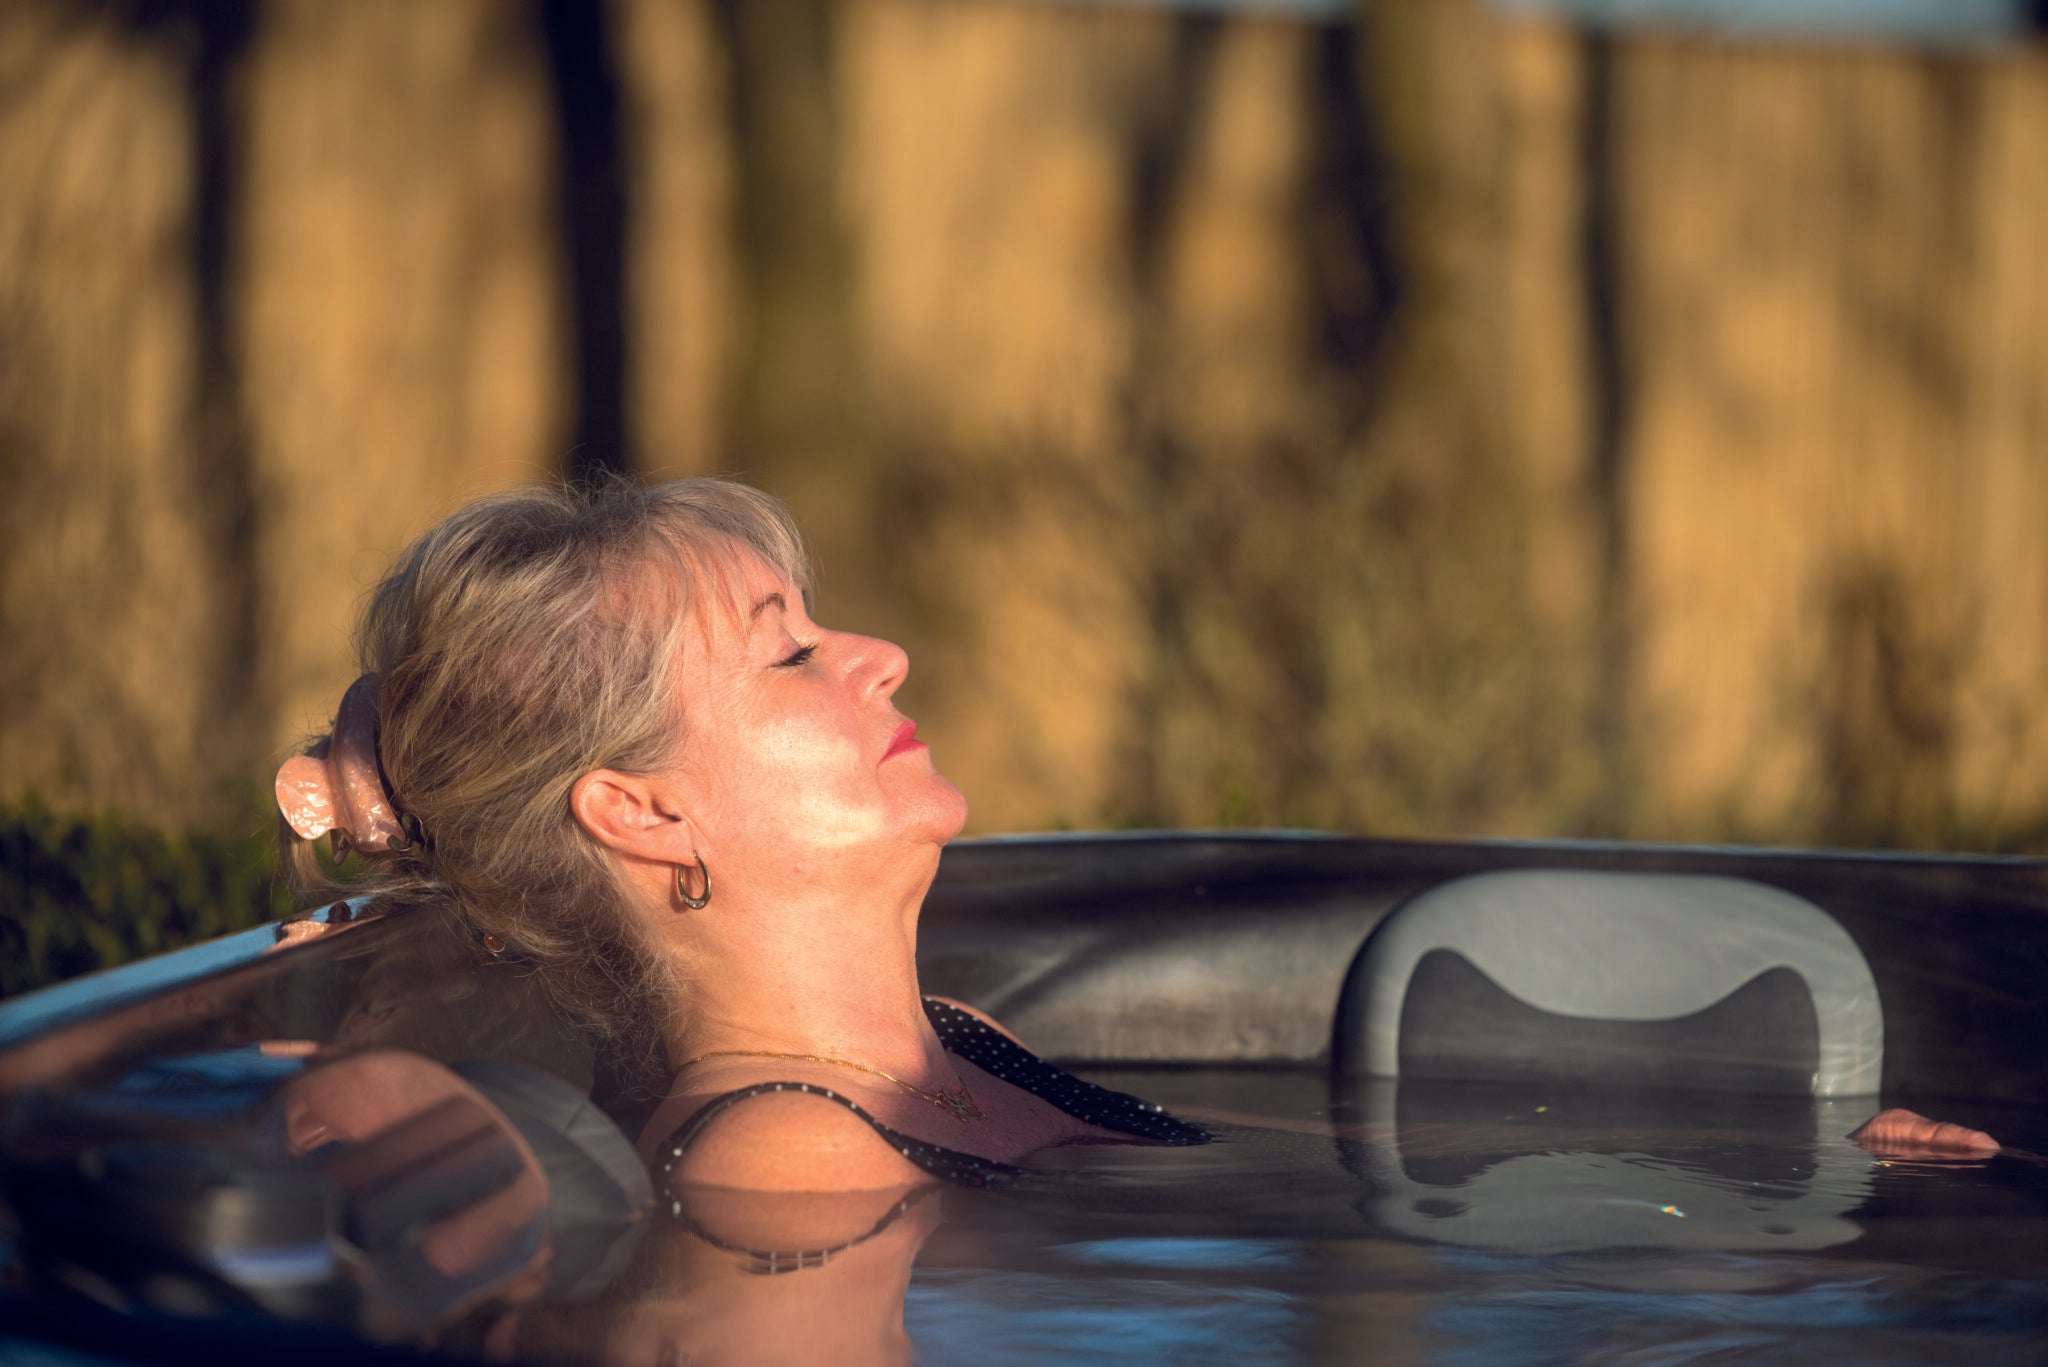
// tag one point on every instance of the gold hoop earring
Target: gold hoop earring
(697, 903)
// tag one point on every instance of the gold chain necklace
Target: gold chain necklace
(955, 1101)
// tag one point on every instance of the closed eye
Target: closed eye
(801, 655)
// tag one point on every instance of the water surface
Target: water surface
(1495, 1225)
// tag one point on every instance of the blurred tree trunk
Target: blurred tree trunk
(402, 315)
(1234, 430)
(1464, 631)
(676, 100)
(798, 420)
(122, 592)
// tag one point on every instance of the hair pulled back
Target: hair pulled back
(529, 638)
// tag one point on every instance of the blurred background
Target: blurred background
(1617, 418)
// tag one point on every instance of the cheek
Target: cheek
(803, 773)
(808, 754)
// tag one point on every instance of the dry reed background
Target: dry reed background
(1443, 423)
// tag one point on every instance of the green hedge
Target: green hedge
(79, 894)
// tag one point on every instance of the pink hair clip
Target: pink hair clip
(345, 792)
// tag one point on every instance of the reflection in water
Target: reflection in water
(1404, 1218)
(1934, 1263)
(443, 1207)
(487, 1210)
(753, 1277)
(1552, 1170)
(810, 1235)
(382, 1192)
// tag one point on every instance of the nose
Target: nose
(880, 665)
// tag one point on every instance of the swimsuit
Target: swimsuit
(966, 1036)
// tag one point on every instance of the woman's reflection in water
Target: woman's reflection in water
(748, 1277)
(458, 1231)
(444, 1207)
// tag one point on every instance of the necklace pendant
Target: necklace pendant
(960, 1106)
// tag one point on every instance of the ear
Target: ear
(632, 814)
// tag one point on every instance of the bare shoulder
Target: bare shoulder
(788, 1141)
(984, 1017)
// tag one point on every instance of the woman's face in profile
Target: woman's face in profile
(795, 753)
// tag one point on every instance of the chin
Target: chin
(948, 812)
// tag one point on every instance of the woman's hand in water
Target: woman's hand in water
(1908, 1134)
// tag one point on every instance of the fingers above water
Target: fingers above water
(1909, 1134)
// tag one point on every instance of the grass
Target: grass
(79, 894)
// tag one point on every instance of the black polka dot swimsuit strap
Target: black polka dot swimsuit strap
(966, 1036)
(948, 1165)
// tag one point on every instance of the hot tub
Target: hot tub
(1473, 1101)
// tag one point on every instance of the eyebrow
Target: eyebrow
(773, 600)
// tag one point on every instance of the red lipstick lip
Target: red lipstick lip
(904, 740)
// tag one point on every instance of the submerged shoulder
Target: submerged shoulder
(791, 1140)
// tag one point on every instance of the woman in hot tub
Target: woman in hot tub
(604, 730)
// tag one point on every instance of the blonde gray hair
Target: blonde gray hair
(526, 640)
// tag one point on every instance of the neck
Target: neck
(794, 974)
